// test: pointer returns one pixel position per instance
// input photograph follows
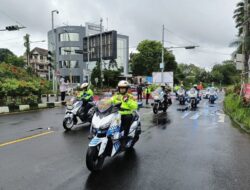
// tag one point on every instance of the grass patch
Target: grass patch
(234, 106)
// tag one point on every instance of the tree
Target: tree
(111, 77)
(225, 73)
(96, 74)
(27, 46)
(6, 56)
(112, 64)
(149, 58)
(241, 15)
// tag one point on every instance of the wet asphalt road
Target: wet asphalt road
(179, 150)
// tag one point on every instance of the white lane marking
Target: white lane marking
(146, 113)
(221, 117)
(195, 116)
(186, 114)
(213, 127)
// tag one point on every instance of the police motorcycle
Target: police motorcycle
(206, 93)
(181, 93)
(212, 95)
(106, 129)
(75, 112)
(159, 101)
(193, 98)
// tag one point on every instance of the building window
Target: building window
(41, 57)
(68, 64)
(41, 67)
(68, 50)
(75, 79)
(68, 37)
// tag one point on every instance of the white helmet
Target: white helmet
(163, 85)
(85, 85)
(123, 84)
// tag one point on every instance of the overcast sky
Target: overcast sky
(207, 23)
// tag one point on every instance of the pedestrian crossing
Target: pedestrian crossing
(192, 115)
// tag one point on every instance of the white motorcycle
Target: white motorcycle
(212, 96)
(193, 98)
(75, 111)
(159, 101)
(181, 96)
(106, 128)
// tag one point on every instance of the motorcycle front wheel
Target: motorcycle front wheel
(68, 123)
(93, 161)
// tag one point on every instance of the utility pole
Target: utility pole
(101, 53)
(162, 54)
(27, 45)
(246, 33)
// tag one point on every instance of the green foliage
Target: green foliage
(234, 106)
(149, 58)
(15, 81)
(111, 77)
(6, 56)
(225, 73)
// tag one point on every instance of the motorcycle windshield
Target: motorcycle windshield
(72, 101)
(212, 92)
(181, 92)
(157, 93)
(104, 104)
(192, 93)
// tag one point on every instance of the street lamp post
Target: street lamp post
(55, 44)
(101, 53)
(162, 54)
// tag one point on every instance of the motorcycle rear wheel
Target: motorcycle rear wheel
(155, 109)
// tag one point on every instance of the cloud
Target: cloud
(208, 24)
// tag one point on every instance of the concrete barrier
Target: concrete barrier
(4, 109)
(50, 104)
(58, 104)
(42, 105)
(24, 107)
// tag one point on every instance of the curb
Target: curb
(24, 108)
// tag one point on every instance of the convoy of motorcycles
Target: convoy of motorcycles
(105, 121)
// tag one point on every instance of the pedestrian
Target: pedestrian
(200, 87)
(139, 92)
(63, 89)
(147, 92)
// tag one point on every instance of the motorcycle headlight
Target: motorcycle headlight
(156, 97)
(105, 126)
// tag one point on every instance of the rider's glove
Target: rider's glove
(125, 98)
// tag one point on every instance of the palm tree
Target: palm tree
(239, 16)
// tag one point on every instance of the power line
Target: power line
(11, 18)
(9, 39)
(212, 52)
(179, 36)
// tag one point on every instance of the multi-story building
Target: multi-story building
(66, 39)
(38, 61)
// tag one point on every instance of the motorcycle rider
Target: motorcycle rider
(165, 91)
(86, 95)
(128, 105)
